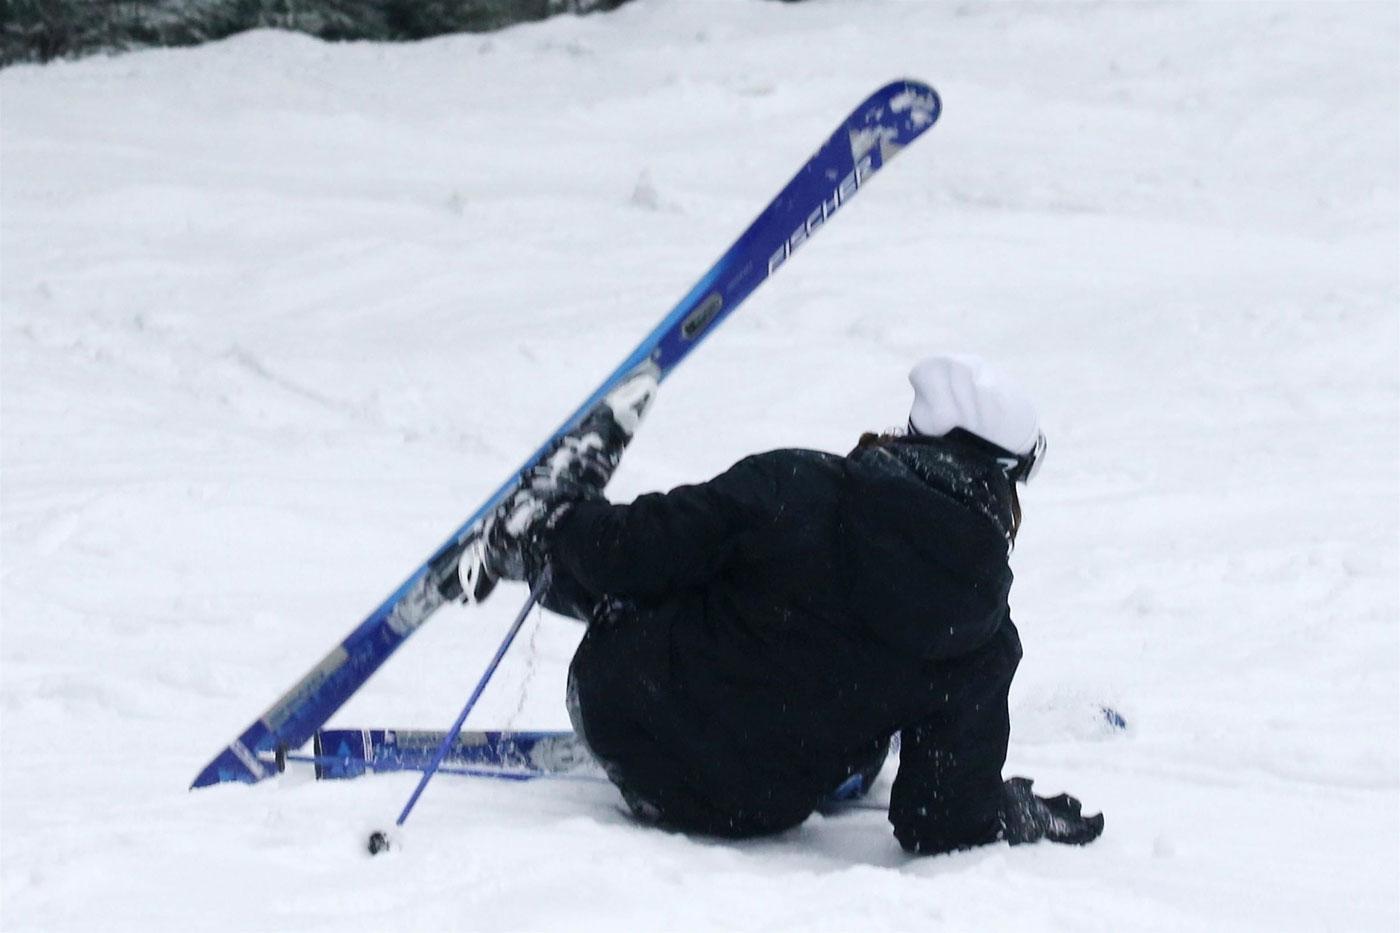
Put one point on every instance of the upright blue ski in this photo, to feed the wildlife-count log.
(887, 121)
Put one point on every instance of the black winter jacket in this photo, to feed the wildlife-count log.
(764, 633)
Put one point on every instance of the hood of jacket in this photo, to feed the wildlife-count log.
(927, 527)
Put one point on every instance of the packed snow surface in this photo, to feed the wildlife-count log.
(278, 314)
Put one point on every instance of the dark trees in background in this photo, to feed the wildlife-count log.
(40, 30)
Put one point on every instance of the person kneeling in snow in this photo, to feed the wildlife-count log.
(755, 641)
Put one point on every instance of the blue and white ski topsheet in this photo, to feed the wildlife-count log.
(340, 754)
(887, 121)
(349, 753)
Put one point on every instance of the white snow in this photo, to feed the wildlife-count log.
(277, 314)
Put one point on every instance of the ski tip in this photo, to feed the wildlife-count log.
(912, 84)
(893, 117)
(917, 98)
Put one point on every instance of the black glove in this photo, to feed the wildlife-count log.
(1028, 818)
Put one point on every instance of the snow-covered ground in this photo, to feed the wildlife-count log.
(277, 314)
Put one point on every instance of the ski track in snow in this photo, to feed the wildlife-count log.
(278, 313)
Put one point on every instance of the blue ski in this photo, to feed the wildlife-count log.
(348, 753)
(884, 123)
(340, 754)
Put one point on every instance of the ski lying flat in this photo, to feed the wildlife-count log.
(349, 753)
(884, 123)
(340, 754)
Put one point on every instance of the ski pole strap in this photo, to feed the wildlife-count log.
(535, 593)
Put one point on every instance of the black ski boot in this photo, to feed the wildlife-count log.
(576, 467)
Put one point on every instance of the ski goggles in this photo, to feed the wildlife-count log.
(1019, 468)
(1023, 468)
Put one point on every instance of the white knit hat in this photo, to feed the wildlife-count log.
(955, 391)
